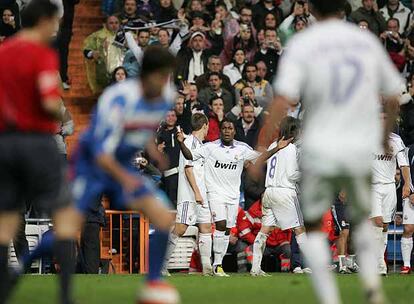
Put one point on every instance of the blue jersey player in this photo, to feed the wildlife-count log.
(126, 116)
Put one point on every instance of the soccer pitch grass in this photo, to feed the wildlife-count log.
(239, 289)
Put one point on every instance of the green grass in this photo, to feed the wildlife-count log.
(239, 289)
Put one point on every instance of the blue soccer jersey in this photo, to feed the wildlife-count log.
(123, 123)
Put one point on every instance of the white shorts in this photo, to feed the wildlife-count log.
(281, 208)
(408, 212)
(191, 213)
(384, 201)
(225, 211)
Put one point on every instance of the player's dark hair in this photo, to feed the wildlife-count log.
(289, 127)
(226, 120)
(157, 59)
(327, 8)
(37, 10)
(198, 120)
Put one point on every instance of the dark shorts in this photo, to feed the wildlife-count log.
(340, 216)
(31, 170)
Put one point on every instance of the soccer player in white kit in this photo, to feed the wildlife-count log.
(192, 204)
(224, 159)
(280, 202)
(408, 221)
(339, 73)
(384, 191)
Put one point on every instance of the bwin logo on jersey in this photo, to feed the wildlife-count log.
(230, 166)
(386, 157)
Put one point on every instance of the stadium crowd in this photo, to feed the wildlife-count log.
(227, 53)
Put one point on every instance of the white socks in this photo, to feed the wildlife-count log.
(379, 239)
(367, 250)
(259, 246)
(219, 246)
(301, 239)
(172, 243)
(406, 249)
(204, 246)
(317, 256)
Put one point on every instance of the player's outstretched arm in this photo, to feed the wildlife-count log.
(191, 179)
(256, 170)
(186, 152)
(405, 172)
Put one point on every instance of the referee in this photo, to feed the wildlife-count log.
(30, 165)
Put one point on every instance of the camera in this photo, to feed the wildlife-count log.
(246, 100)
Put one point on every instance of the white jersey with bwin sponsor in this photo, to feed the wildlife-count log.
(223, 168)
(185, 192)
(338, 72)
(283, 168)
(384, 165)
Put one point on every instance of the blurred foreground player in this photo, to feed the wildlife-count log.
(126, 117)
(30, 164)
(339, 72)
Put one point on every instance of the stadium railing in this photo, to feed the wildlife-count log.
(127, 226)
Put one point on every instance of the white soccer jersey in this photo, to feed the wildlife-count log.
(185, 192)
(384, 165)
(224, 167)
(339, 72)
(283, 168)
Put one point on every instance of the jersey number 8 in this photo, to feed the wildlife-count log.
(272, 169)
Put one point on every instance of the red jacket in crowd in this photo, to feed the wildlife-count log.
(249, 224)
(213, 128)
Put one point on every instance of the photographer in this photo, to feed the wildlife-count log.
(262, 89)
(296, 21)
(394, 43)
(167, 144)
(269, 52)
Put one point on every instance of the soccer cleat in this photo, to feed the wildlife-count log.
(297, 270)
(259, 273)
(405, 270)
(354, 268)
(66, 85)
(307, 270)
(165, 273)
(208, 271)
(219, 272)
(158, 292)
(382, 269)
(344, 270)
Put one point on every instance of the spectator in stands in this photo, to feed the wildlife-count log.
(232, 27)
(95, 50)
(243, 40)
(183, 114)
(164, 11)
(409, 56)
(394, 43)
(261, 9)
(167, 143)
(234, 70)
(195, 6)
(12, 5)
(269, 52)
(64, 37)
(129, 15)
(369, 12)
(216, 89)
(270, 21)
(407, 115)
(198, 22)
(66, 129)
(119, 74)
(192, 59)
(262, 90)
(246, 97)
(248, 126)
(130, 62)
(261, 70)
(295, 22)
(215, 117)
(8, 26)
(214, 64)
(395, 9)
